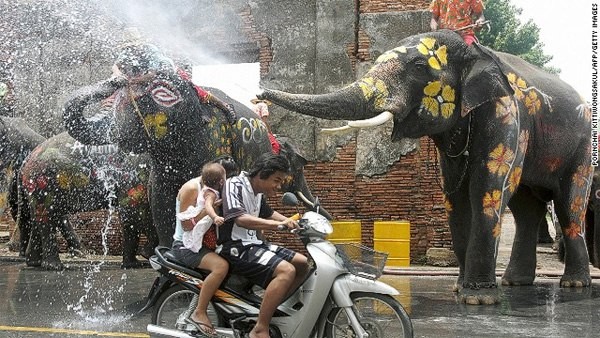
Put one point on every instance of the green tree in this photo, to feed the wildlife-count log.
(508, 34)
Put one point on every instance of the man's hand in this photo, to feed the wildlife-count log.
(289, 223)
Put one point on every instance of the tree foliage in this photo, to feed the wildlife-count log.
(508, 34)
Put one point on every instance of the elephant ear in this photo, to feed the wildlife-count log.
(484, 81)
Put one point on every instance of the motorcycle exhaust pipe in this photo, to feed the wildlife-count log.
(162, 332)
(156, 331)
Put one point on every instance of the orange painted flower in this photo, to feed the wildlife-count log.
(491, 203)
(577, 204)
(582, 175)
(573, 230)
(523, 140)
(514, 178)
(500, 159)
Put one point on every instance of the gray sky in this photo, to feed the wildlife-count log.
(565, 30)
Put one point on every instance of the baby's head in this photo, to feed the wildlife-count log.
(213, 175)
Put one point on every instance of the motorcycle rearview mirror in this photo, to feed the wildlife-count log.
(289, 199)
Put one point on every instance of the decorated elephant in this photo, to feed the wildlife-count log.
(507, 133)
(17, 140)
(62, 177)
(160, 111)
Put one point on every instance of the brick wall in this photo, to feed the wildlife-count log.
(382, 6)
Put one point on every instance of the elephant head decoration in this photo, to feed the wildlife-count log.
(507, 133)
(162, 114)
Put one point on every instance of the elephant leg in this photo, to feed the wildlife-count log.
(73, 242)
(570, 206)
(131, 236)
(459, 219)
(543, 236)
(529, 213)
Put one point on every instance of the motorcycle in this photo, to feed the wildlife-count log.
(341, 297)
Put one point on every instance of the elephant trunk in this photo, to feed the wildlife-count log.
(94, 130)
(348, 103)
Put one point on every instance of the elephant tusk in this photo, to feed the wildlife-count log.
(304, 199)
(372, 122)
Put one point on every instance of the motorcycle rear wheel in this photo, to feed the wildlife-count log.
(381, 316)
(172, 304)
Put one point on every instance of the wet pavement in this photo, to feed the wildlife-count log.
(91, 299)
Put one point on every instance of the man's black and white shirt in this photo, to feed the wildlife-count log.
(239, 199)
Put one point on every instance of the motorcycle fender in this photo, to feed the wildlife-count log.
(160, 284)
(344, 285)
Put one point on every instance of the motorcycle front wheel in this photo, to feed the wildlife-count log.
(174, 305)
(381, 316)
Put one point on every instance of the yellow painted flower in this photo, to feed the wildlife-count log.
(373, 88)
(506, 110)
(532, 102)
(157, 122)
(500, 159)
(447, 205)
(80, 180)
(438, 57)
(63, 179)
(389, 55)
(515, 178)
(518, 85)
(497, 231)
(491, 203)
(439, 99)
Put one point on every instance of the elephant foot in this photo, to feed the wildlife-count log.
(576, 280)
(53, 264)
(77, 253)
(482, 294)
(515, 279)
(131, 264)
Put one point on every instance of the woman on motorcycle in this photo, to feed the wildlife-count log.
(192, 214)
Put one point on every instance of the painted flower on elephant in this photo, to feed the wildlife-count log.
(447, 205)
(500, 160)
(157, 122)
(532, 102)
(374, 89)
(439, 99)
(514, 178)
(3, 199)
(523, 140)
(136, 195)
(438, 57)
(497, 231)
(577, 204)
(573, 230)
(582, 176)
(518, 85)
(506, 110)
(491, 203)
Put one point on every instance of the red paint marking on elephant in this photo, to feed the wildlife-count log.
(164, 94)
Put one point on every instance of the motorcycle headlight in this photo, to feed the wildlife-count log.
(317, 222)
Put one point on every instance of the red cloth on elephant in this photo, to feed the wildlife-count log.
(276, 147)
(202, 94)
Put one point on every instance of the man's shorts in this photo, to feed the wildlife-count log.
(257, 262)
(188, 257)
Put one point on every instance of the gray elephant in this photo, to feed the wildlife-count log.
(17, 141)
(508, 134)
(159, 111)
(62, 177)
